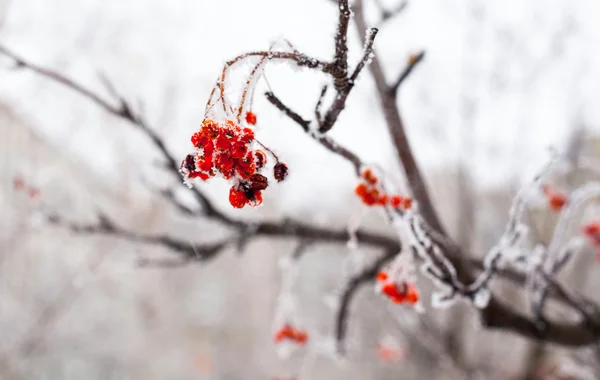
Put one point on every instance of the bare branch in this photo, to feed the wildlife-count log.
(188, 251)
(387, 14)
(323, 140)
(396, 128)
(499, 316)
(170, 196)
(355, 283)
(413, 61)
(585, 308)
(125, 112)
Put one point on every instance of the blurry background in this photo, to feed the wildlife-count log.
(501, 83)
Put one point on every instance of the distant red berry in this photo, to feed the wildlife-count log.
(288, 332)
(370, 177)
(382, 276)
(19, 183)
(34, 193)
(557, 201)
(591, 229)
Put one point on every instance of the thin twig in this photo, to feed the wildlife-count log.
(413, 61)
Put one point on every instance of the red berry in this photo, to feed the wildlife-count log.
(250, 118)
(301, 337)
(591, 229)
(237, 197)
(261, 158)
(196, 139)
(370, 177)
(361, 190)
(412, 295)
(396, 201)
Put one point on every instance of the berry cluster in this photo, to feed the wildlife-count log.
(398, 293)
(370, 194)
(556, 200)
(225, 149)
(288, 332)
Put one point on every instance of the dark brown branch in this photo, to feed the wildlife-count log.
(500, 316)
(188, 251)
(355, 283)
(413, 61)
(340, 61)
(317, 106)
